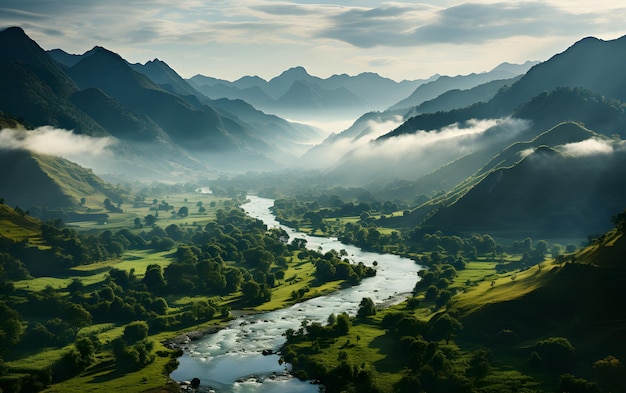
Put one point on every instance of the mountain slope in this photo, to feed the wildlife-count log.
(579, 300)
(431, 90)
(193, 128)
(544, 194)
(32, 180)
(590, 63)
(36, 89)
(454, 99)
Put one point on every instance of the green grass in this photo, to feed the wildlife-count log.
(125, 220)
(132, 259)
(102, 377)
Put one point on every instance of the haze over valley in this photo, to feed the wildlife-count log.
(379, 228)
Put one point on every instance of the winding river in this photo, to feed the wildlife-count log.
(231, 359)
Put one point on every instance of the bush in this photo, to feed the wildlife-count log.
(556, 353)
(135, 331)
(135, 357)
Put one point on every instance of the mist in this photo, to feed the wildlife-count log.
(56, 142)
(360, 133)
(592, 146)
(414, 155)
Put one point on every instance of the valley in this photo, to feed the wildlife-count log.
(459, 233)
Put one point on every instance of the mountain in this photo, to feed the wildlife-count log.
(201, 129)
(455, 179)
(35, 87)
(32, 180)
(545, 193)
(590, 63)
(162, 74)
(287, 137)
(430, 90)
(297, 93)
(307, 97)
(456, 98)
(224, 129)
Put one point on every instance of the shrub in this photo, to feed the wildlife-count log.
(556, 353)
(135, 331)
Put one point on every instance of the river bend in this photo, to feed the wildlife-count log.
(231, 360)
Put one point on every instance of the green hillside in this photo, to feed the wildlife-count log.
(578, 297)
(31, 180)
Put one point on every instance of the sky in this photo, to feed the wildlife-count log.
(398, 40)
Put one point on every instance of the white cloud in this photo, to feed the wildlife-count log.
(411, 156)
(230, 39)
(590, 147)
(57, 142)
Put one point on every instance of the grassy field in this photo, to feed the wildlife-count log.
(140, 210)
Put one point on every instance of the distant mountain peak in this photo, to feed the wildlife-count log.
(155, 61)
(14, 30)
(293, 73)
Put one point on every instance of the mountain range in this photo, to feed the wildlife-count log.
(453, 142)
(99, 94)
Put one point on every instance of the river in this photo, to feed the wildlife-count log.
(231, 360)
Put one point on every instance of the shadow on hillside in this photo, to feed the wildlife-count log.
(392, 362)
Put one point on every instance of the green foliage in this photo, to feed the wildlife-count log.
(342, 324)
(556, 353)
(135, 331)
(569, 383)
(366, 308)
(11, 328)
(133, 357)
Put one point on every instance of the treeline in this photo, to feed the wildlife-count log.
(333, 217)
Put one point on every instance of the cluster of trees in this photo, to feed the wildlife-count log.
(427, 367)
(437, 278)
(321, 213)
(67, 248)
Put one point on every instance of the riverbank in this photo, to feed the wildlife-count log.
(226, 358)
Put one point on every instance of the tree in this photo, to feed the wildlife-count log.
(11, 328)
(135, 331)
(342, 324)
(479, 365)
(77, 317)
(86, 348)
(251, 290)
(150, 220)
(556, 353)
(445, 327)
(183, 211)
(159, 306)
(366, 308)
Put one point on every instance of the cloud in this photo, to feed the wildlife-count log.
(468, 23)
(592, 147)
(411, 156)
(225, 39)
(454, 140)
(53, 141)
